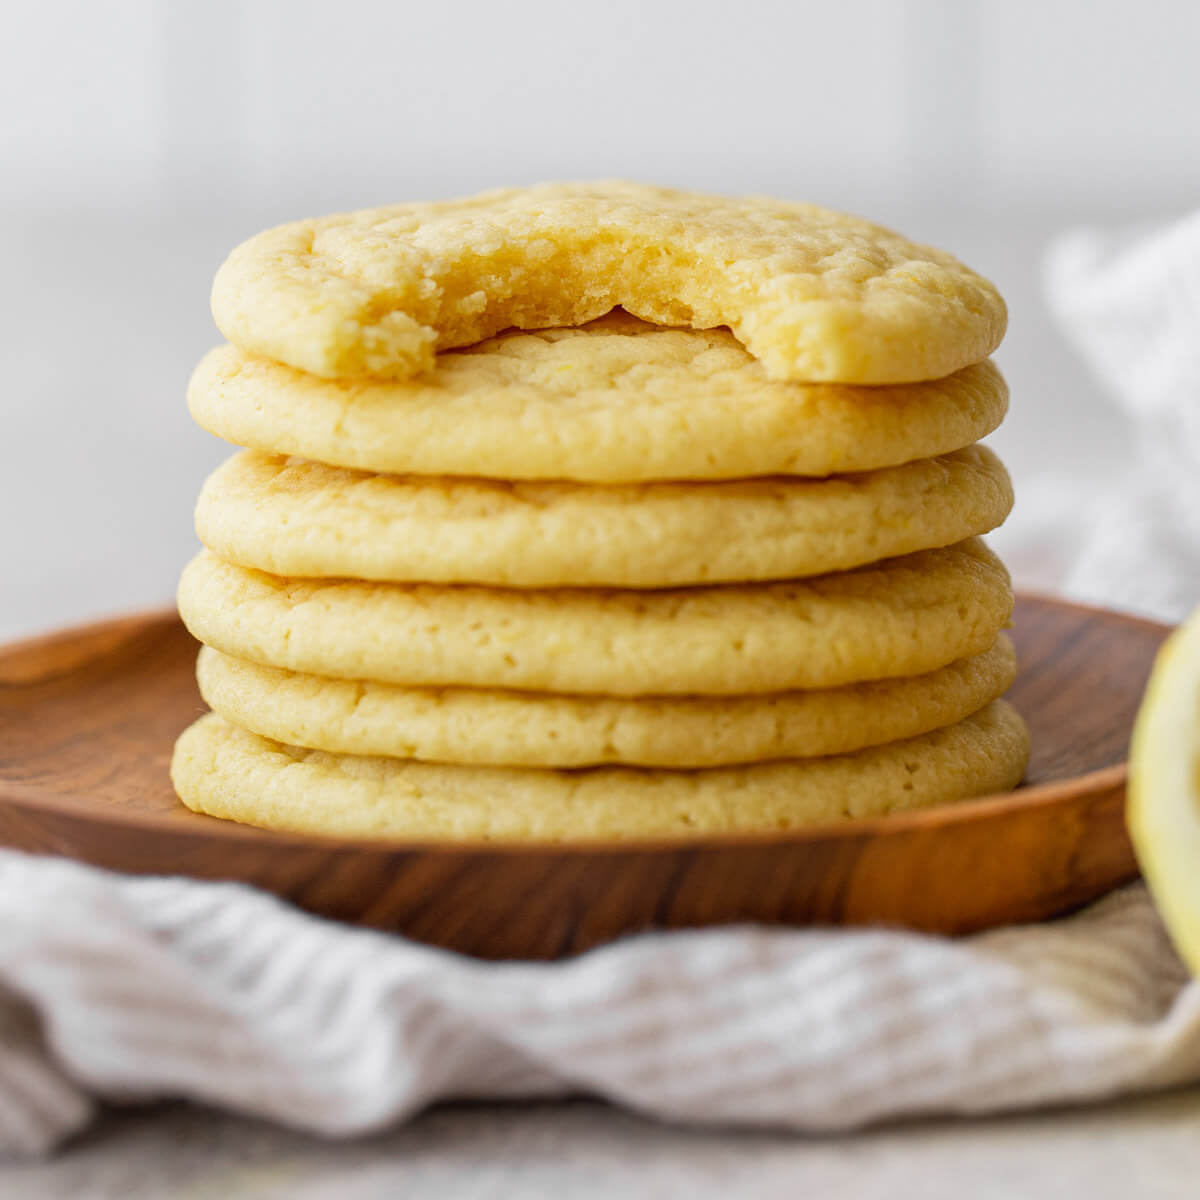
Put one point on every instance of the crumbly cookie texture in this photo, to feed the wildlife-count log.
(813, 294)
(906, 616)
(619, 401)
(228, 772)
(294, 517)
(494, 728)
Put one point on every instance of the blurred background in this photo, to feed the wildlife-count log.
(141, 140)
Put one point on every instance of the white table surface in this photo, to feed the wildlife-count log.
(1143, 1149)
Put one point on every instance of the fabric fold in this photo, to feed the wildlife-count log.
(152, 988)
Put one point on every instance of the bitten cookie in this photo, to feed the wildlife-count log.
(812, 294)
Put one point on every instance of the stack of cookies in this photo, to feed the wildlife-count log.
(597, 511)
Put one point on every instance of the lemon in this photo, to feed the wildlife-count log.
(1164, 788)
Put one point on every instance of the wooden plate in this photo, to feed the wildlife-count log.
(88, 717)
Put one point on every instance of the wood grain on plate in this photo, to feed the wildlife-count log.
(88, 718)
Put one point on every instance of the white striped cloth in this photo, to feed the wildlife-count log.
(1131, 304)
(161, 987)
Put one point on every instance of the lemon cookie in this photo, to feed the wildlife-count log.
(617, 402)
(813, 294)
(229, 772)
(906, 616)
(294, 517)
(467, 725)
